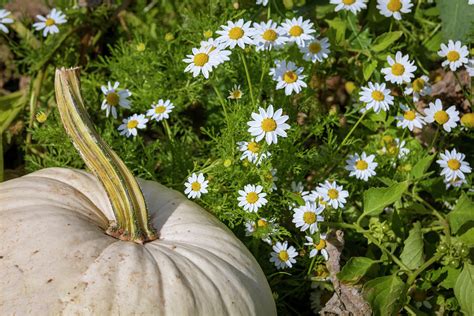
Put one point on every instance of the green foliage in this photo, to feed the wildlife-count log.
(355, 269)
(464, 288)
(412, 253)
(385, 294)
(457, 18)
(375, 199)
(462, 214)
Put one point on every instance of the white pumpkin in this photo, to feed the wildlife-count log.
(56, 258)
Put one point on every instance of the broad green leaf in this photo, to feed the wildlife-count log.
(375, 199)
(452, 275)
(456, 19)
(355, 269)
(412, 254)
(464, 289)
(463, 213)
(297, 198)
(383, 41)
(339, 26)
(368, 69)
(419, 169)
(468, 237)
(434, 42)
(385, 295)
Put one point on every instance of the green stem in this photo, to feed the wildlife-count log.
(122, 188)
(168, 130)
(249, 82)
(444, 222)
(36, 90)
(423, 267)
(353, 129)
(464, 91)
(391, 255)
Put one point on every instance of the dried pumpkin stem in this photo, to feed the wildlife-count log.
(122, 188)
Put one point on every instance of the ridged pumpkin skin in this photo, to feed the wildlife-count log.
(56, 259)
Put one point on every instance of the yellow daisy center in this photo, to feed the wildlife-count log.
(132, 124)
(333, 194)
(290, 77)
(269, 125)
(348, 2)
(235, 33)
(236, 94)
(195, 186)
(283, 255)
(309, 217)
(112, 98)
(321, 244)
(253, 147)
(295, 31)
(49, 22)
(270, 35)
(441, 117)
(394, 5)
(418, 85)
(262, 223)
(409, 115)
(468, 120)
(453, 55)
(314, 47)
(454, 164)
(160, 109)
(398, 69)
(200, 59)
(361, 165)
(252, 197)
(378, 95)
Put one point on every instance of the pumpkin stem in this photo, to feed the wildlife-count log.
(122, 188)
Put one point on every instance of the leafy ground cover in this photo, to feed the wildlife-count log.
(328, 135)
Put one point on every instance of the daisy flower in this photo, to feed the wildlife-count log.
(350, 5)
(455, 53)
(262, 2)
(470, 67)
(234, 34)
(394, 8)
(268, 226)
(114, 98)
(252, 198)
(455, 183)
(160, 110)
(315, 197)
(252, 151)
(317, 247)
(453, 164)
(266, 35)
(316, 50)
(410, 118)
(420, 88)
(289, 77)
(446, 118)
(376, 97)
(394, 147)
(4, 19)
(308, 216)
(235, 93)
(202, 60)
(361, 166)
(222, 54)
(298, 31)
(333, 194)
(130, 125)
(283, 256)
(401, 69)
(268, 124)
(195, 186)
(49, 24)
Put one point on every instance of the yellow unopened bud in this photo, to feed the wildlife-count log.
(236, 5)
(140, 47)
(169, 37)
(41, 117)
(468, 120)
(227, 163)
(350, 86)
(207, 34)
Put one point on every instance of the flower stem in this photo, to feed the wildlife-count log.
(125, 196)
(352, 129)
(168, 130)
(249, 82)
